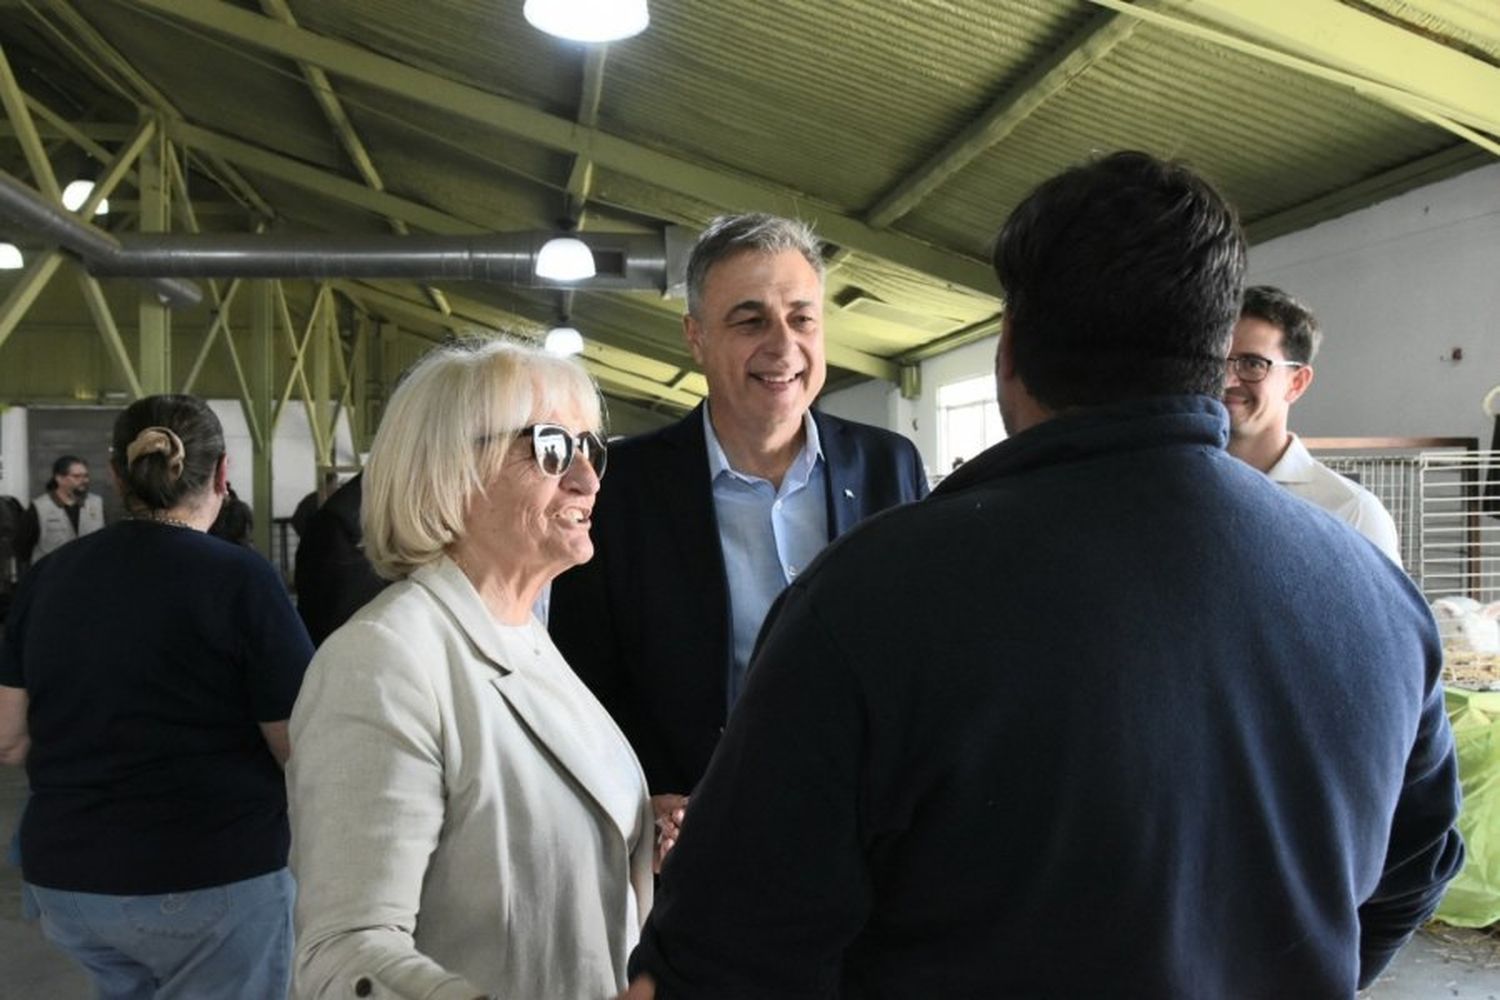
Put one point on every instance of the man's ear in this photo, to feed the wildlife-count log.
(1005, 359)
(1298, 383)
(692, 332)
(221, 475)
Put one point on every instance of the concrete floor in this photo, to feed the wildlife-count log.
(1441, 963)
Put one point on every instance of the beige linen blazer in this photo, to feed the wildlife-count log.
(456, 830)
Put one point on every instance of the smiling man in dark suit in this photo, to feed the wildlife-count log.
(699, 526)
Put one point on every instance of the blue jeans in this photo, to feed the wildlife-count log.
(228, 942)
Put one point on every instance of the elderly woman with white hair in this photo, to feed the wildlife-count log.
(467, 820)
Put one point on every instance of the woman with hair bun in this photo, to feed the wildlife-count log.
(146, 675)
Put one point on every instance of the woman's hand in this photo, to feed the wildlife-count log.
(669, 810)
(644, 987)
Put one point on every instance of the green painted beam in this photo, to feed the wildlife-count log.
(94, 131)
(599, 315)
(261, 370)
(80, 31)
(397, 307)
(338, 120)
(1344, 37)
(25, 291)
(1425, 170)
(1054, 74)
(154, 321)
(323, 182)
(19, 115)
(1396, 98)
(220, 324)
(987, 327)
(581, 177)
(714, 186)
(109, 331)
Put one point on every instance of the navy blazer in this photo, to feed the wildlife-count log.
(646, 623)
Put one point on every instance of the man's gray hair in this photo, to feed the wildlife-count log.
(755, 231)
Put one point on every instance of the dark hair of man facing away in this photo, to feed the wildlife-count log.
(1122, 673)
(1122, 289)
(1300, 335)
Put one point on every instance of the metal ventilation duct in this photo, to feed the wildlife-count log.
(56, 224)
(624, 261)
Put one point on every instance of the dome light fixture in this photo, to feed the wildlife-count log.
(10, 257)
(565, 258)
(589, 21)
(77, 192)
(564, 341)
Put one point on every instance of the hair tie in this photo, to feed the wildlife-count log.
(158, 440)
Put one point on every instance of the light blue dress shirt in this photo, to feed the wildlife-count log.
(768, 535)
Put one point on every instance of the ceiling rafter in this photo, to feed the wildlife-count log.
(1407, 72)
(146, 93)
(343, 129)
(1346, 38)
(16, 110)
(1424, 170)
(607, 339)
(318, 180)
(716, 186)
(1086, 47)
(390, 305)
(76, 132)
(581, 176)
(350, 192)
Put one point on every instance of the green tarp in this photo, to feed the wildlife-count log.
(1473, 898)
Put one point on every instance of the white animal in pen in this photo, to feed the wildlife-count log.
(1467, 625)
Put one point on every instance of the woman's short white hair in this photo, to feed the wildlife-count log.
(445, 433)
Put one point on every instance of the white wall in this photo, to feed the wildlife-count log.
(1396, 287)
(880, 403)
(293, 467)
(15, 477)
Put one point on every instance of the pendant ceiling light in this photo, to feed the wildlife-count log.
(588, 20)
(564, 341)
(77, 192)
(10, 257)
(565, 258)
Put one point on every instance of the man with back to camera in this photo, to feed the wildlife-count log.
(701, 524)
(64, 512)
(1106, 670)
(1270, 367)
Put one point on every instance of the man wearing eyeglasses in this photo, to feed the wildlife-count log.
(1270, 367)
(699, 526)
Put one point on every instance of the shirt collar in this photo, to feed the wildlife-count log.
(1295, 464)
(800, 469)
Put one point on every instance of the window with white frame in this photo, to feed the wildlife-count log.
(968, 420)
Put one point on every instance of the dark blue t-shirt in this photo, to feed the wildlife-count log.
(149, 654)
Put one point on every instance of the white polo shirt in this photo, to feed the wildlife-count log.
(1342, 497)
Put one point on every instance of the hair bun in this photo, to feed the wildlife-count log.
(158, 440)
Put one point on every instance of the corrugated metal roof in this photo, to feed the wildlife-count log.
(844, 111)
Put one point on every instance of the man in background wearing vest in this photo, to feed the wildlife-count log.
(65, 512)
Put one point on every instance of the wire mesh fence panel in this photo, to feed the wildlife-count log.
(1459, 540)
